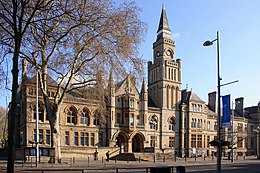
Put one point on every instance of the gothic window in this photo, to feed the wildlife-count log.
(171, 141)
(84, 118)
(172, 74)
(48, 137)
(40, 133)
(208, 125)
(71, 116)
(100, 139)
(154, 122)
(193, 141)
(96, 118)
(132, 120)
(152, 141)
(67, 138)
(40, 112)
(169, 73)
(194, 107)
(92, 139)
(172, 123)
(172, 96)
(200, 108)
(199, 141)
(76, 138)
(199, 123)
(138, 121)
(131, 102)
(167, 96)
(193, 123)
(118, 118)
(84, 139)
(239, 142)
(175, 74)
(215, 125)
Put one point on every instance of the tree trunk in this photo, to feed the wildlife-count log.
(56, 138)
(13, 113)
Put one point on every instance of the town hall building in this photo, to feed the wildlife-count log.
(161, 115)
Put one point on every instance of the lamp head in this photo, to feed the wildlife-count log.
(207, 43)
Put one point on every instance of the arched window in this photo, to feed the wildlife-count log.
(154, 122)
(84, 118)
(172, 123)
(71, 116)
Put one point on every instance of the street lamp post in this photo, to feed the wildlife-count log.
(209, 43)
(257, 142)
(37, 121)
(154, 125)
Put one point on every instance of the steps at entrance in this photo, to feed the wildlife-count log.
(142, 156)
(133, 156)
(124, 157)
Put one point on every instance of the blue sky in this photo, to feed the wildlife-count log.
(194, 21)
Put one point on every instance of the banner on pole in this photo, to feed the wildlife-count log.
(226, 111)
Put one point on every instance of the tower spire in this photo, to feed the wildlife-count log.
(163, 28)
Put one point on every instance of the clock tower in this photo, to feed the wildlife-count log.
(164, 85)
(164, 73)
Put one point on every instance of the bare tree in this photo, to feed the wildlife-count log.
(15, 17)
(78, 40)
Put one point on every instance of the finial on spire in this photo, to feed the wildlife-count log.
(163, 6)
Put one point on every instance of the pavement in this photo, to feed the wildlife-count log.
(67, 165)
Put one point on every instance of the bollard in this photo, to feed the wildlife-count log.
(73, 160)
(127, 159)
(115, 160)
(102, 159)
(237, 157)
(212, 157)
(139, 159)
(185, 158)
(244, 157)
(195, 158)
(70, 162)
(88, 161)
(204, 157)
(175, 158)
(163, 158)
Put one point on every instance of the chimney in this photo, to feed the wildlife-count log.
(212, 100)
(239, 106)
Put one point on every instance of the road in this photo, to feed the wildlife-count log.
(227, 168)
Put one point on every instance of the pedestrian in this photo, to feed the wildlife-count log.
(107, 155)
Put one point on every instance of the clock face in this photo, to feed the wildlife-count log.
(168, 53)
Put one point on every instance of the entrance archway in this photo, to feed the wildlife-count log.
(121, 141)
(137, 143)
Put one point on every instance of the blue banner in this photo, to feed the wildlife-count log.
(226, 111)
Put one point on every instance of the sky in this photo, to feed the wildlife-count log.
(192, 22)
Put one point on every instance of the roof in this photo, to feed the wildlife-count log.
(163, 24)
(50, 81)
(195, 97)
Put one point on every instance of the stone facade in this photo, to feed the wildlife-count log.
(161, 114)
